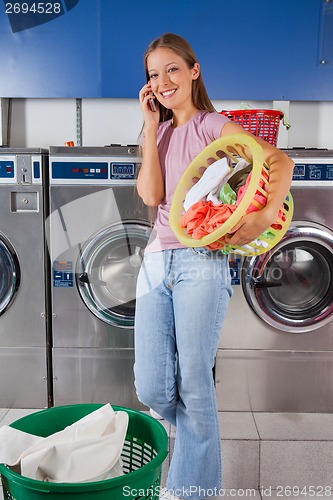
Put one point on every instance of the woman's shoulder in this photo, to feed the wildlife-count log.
(212, 122)
(210, 118)
(214, 116)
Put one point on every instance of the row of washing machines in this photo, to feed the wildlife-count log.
(72, 236)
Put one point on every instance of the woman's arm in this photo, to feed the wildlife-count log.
(150, 182)
(281, 169)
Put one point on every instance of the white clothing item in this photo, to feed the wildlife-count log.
(13, 443)
(259, 243)
(210, 180)
(88, 450)
(213, 196)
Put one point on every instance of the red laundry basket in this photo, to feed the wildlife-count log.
(263, 123)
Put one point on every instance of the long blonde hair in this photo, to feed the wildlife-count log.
(181, 47)
(200, 97)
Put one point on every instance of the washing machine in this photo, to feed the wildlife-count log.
(276, 346)
(98, 230)
(24, 329)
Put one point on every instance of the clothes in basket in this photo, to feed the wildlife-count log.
(206, 214)
(87, 450)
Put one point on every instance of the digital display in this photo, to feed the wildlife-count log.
(313, 172)
(6, 169)
(122, 170)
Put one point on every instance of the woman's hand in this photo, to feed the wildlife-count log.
(151, 118)
(250, 227)
(150, 181)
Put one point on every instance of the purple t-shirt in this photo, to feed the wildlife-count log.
(177, 147)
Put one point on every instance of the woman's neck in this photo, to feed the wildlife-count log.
(180, 117)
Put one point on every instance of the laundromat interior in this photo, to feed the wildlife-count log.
(73, 229)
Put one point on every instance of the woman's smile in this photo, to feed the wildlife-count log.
(167, 93)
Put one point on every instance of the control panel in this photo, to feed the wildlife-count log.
(91, 170)
(79, 170)
(313, 171)
(122, 170)
(21, 169)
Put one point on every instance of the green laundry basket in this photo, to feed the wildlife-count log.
(144, 451)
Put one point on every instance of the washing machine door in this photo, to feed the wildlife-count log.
(291, 287)
(9, 274)
(108, 268)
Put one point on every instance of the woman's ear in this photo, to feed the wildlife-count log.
(195, 71)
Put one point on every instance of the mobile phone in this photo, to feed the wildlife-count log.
(152, 103)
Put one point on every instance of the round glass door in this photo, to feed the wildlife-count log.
(107, 271)
(291, 287)
(9, 274)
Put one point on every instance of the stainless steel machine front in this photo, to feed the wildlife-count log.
(276, 347)
(98, 231)
(23, 291)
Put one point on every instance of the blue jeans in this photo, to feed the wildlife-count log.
(182, 297)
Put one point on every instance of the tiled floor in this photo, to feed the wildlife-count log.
(282, 456)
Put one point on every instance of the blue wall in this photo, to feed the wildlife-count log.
(248, 49)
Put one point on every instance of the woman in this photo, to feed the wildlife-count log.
(183, 293)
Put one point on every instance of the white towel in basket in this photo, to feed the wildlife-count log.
(211, 182)
(88, 450)
(211, 179)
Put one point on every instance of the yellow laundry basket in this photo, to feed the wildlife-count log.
(237, 147)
